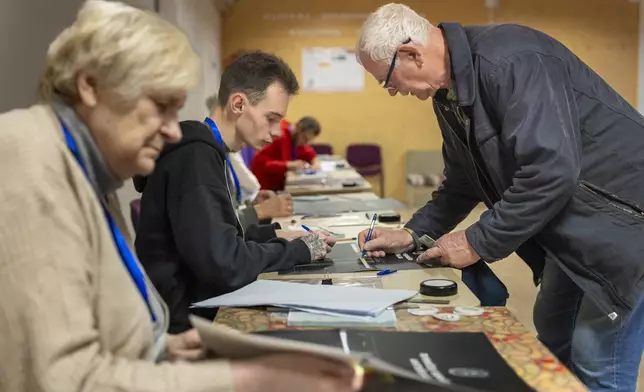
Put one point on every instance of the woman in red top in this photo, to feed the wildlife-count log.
(289, 152)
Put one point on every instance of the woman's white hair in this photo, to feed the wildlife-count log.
(387, 28)
(127, 53)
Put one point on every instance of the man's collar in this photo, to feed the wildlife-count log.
(461, 62)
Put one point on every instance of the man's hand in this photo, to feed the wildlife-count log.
(291, 235)
(277, 206)
(317, 246)
(328, 238)
(262, 196)
(453, 249)
(385, 241)
(185, 346)
(296, 165)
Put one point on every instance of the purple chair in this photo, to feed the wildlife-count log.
(322, 149)
(135, 212)
(367, 160)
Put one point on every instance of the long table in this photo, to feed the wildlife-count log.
(345, 180)
(518, 346)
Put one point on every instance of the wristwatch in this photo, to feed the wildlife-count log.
(421, 242)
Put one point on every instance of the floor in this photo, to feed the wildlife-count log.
(518, 278)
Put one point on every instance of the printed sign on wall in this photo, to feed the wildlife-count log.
(332, 69)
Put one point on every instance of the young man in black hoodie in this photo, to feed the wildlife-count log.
(189, 237)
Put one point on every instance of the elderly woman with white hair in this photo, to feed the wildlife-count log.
(77, 311)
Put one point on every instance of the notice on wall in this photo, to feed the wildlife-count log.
(331, 70)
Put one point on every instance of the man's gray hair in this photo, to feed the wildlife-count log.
(387, 28)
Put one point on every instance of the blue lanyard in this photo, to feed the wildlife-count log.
(117, 236)
(220, 140)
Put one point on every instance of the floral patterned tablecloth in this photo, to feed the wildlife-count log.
(518, 346)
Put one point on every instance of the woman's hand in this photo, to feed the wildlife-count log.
(294, 373)
(185, 346)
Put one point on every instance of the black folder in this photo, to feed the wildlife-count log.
(345, 258)
(454, 361)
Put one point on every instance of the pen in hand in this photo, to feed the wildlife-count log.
(373, 222)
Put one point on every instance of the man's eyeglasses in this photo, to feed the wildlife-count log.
(393, 65)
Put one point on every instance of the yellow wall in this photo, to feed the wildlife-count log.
(601, 32)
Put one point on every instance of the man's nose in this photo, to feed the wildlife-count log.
(275, 132)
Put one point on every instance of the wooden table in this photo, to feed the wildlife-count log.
(362, 195)
(319, 189)
(331, 185)
(519, 347)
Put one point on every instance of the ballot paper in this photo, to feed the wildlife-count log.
(325, 299)
(342, 206)
(298, 318)
(330, 166)
(335, 233)
(311, 198)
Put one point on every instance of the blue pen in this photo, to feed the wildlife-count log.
(386, 272)
(307, 229)
(373, 222)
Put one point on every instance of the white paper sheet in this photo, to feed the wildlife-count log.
(306, 319)
(331, 69)
(358, 301)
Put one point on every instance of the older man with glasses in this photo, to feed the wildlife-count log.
(554, 153)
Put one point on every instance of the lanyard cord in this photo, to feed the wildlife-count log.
(220, 140)
(119, 240)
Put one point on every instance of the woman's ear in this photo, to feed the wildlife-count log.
(86, 87)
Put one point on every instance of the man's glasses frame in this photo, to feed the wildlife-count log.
(393, 65)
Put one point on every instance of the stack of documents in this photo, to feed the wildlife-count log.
(322, 299)
(298, 318)
(342, 206)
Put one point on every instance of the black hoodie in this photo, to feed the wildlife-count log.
(189, 238)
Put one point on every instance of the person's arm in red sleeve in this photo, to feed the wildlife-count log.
(307, 154)
(269, 159)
